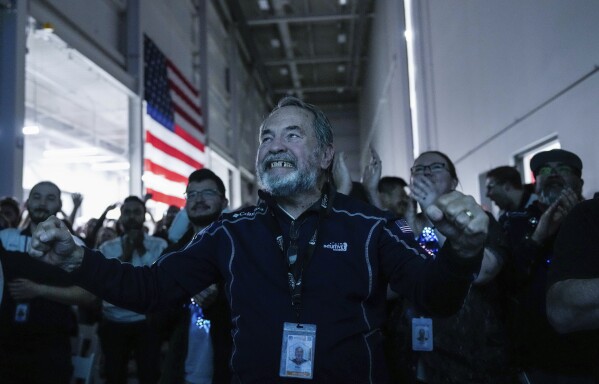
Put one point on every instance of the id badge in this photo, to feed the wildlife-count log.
(21, 313)
(422, 334)
(297, 350)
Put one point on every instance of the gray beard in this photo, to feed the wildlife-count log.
(302, 180)
(551, 193)
(297, 182)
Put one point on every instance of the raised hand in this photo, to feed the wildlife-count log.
(341, 174)
(552, 218)
(372, 172)
(423, 191)
(77, 199)
(53, 243)
(459, 218)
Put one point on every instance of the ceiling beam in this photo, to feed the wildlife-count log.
(303, 19)
(309, 60)
(323, 88)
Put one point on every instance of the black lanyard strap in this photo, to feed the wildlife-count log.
(296, 261)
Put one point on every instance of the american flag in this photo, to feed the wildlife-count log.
(174, 129)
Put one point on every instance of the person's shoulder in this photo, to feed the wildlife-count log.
(111, 245)
(344, 204)
(585, 209)
(243, 214)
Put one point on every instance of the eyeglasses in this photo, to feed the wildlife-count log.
(433, 168)
(560, 169)
(204, 194)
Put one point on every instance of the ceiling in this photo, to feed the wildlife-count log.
(313, 49)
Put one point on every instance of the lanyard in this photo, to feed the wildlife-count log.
(297, 261)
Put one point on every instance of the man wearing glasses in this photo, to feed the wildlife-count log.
(305, 266)
(543, 355)
(199, 336)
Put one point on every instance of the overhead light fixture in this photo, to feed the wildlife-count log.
(31, 130)
(79, 159)
(275, 43)
(111, 166)
(342, 2)
(284, 71)
(263, 5)
(341, 68)
(70, 152)
(340, 89)
(341, 38)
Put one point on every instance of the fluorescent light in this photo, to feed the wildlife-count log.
(116, 166)
(263, 5)
(78, 159)
(284, 71)
(31, 130)
(275, 43)
(341, 68)
(70, 152)
(342, 2)
(341, 38)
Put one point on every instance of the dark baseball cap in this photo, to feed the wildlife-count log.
(556, 155)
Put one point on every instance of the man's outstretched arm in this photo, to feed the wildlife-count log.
(141, 289)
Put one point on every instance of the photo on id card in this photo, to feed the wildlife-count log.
(297, 352)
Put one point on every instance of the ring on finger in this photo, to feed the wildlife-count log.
(469, 213)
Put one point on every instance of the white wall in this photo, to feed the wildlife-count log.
(490, 63)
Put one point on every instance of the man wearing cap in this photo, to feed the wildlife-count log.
(543, 355)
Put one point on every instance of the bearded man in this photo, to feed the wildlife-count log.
(36, 316)
(305, 266)
(540, 352)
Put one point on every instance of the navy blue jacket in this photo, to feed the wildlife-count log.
(358, 252)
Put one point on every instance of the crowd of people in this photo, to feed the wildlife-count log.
(325, 278)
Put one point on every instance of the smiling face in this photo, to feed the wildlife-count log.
(204, 202)
(44, 201)
(290, 159)
(552, 178)
(440, 177)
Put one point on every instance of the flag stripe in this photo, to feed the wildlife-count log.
(181, 112)
(177, 140)
(167, 199)
(169, 150)
(166, 161)
(174, 128)
(179, 102)
(189, 138)
(181, 122)
(157, 169)
(190, 86)
(191, 103)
